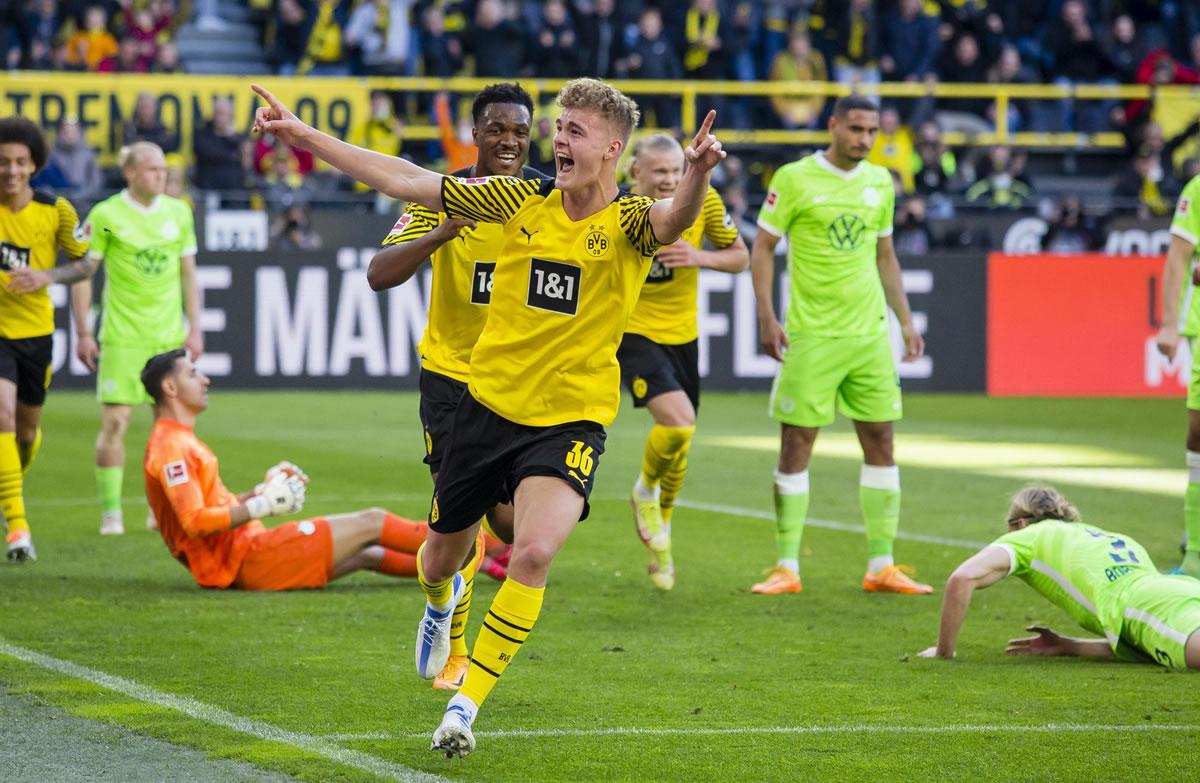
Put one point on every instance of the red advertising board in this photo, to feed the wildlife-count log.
(1079, 325)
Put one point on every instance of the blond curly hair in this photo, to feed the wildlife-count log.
(1039, 503)
(610, 103)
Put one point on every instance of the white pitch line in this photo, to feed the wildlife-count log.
(207, 713)
(742, 730)
(751, 513)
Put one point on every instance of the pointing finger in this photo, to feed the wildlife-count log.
(706, 126)
(271, 100)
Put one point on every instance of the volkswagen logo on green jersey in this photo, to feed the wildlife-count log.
(846, 232)
(152, 262)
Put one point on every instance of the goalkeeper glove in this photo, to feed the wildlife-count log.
(283, 494)
(284, 468)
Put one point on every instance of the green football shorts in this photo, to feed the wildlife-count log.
(119, 374)
(856, 373)
(1159, 614)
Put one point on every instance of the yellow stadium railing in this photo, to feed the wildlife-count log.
(340, 105)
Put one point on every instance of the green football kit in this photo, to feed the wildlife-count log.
(837, 324)
(142, 305)
(1109, 585)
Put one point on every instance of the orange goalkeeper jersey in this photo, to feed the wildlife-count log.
(192, 505)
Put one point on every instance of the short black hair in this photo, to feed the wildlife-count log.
(18, 130)
(157, 369)
(502, 92)
(849, 103)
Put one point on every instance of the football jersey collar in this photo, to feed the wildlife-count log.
(824, 163)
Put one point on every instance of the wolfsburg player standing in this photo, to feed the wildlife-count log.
(1181, 257)
(148, 241)
(836, 211)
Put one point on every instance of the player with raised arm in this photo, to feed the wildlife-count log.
(216, 535)
(835, 208)
(1181, 315)
(544, 379)
(659, 355)
(147, 243)
(34, 227)
(1105, 581)
(463, 255)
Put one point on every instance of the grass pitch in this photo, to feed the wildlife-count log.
(619, 681)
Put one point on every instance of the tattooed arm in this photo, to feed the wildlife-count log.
(26, 281)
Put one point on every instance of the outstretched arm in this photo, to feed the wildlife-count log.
(389, 175)
(985, 568)
(671, 217)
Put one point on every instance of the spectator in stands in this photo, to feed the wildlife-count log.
(1125, 48)
(94, 44)
(909, 43)
(1009, 69)
(377, 37)
(913, 236)
(602, 36)
(264, 150)
(145, 125)
(458, 141)
(967, 66)
(44, 24)
(76, 160)
(798, 63)
(1002, 185)
(857, 56)
(218, 150)
(935, 166)
(541, 145)
(1155, 141)
(291, 34)
(1147, 185)
(168, 59)
(292, 230)
(497, 41)
(556, 46)
(176, 182)
(441, 52)
(283, 186)
(1078, 58)
(652, 57)
(128, 59)
(704, 51)
(145, 30)
(894, 148)
(1181, 20)
(1070, 229)
(324, 51)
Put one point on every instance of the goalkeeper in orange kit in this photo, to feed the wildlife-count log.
(217, 535)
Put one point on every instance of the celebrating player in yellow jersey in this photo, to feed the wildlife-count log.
(544, 379)
(458, 299)
(658, 355)
(33, 228)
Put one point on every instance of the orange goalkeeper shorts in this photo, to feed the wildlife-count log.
(294, 556)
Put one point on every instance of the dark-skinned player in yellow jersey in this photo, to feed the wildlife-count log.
(462, 254)
(544, 379)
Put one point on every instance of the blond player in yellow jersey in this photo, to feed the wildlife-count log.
(658, 355)
(34, 227)
(544, 379)
(463, 254)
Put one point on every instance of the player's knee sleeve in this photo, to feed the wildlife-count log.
(791, 483)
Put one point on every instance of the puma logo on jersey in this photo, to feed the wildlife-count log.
(582, 481)
(529, 234)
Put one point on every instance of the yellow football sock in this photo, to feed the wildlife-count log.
(458, 621)
(514, 611)
(662, 449)
(28, 452)
(12, 501)
(670, 486)
(437, 593)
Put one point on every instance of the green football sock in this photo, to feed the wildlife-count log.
(108, 486)
(879, 498)
(791, 509)
(1191, 523)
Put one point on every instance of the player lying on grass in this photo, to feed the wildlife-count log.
(544, 380)
(1104, 580)
(217, 535)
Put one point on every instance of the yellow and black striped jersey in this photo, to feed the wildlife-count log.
(666, 310)
(561, 296)
(460, 291)
(32, 238)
